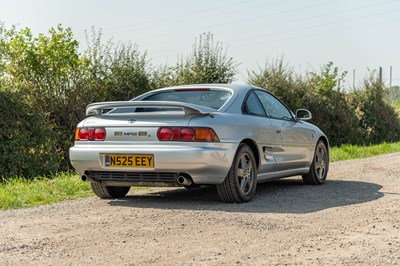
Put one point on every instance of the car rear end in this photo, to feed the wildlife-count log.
(151, 144)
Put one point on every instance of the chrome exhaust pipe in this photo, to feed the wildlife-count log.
(184, 181)
(86, 178)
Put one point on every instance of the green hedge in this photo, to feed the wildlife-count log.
(26, 140)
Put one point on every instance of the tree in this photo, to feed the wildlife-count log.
(207, 63)
(377, 118)
(278, 78)
(46, 72)
(118, 71)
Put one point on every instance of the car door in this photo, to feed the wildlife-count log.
(292, 138)
(263, 131)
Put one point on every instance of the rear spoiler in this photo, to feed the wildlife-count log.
(190, 109)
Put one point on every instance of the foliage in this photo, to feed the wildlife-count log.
(58, 82)
(278, 78)
(396, 106)
(46, 83)
(393, 94)
(26, 141)
(207, 63)
(377, 118)
(117, 71)
(46, 71)
(333, 113)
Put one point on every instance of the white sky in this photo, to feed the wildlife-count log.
(354, 34)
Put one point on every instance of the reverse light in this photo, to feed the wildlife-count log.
(89, 134)
(191, 134)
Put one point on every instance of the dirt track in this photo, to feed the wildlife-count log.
(353, 219)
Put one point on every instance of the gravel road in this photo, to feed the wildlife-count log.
(353, 219)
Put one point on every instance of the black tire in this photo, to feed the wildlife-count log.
(106, 192)
(241, 182)
(319, 167)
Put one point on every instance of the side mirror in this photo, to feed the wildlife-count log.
(303, 115)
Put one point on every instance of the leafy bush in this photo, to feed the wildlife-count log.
(116, 71)
(58, 82)
(208, 63)
(278, 78)
(46, 71)
(333, 113)
(377, 118)
(27, 142)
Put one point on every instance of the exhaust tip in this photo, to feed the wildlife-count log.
(184, 181)
(84, 178)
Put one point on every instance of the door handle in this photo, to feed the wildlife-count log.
(278, 131)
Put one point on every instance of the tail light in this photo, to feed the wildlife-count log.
(193, 134)
(96, 134)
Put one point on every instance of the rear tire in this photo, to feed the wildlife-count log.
(241, 182)
(107, 192)
(319, 167)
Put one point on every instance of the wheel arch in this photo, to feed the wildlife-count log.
(326, 142)
(254, 148)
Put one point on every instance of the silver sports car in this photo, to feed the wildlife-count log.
(230, 136)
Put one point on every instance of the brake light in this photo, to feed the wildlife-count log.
(193, 134)
(165, 133)
(83, 134)
(187, 133)
(192, 89)
(96, 134)
(99, 134)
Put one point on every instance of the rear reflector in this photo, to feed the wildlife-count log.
(96, 134)
(193, 134)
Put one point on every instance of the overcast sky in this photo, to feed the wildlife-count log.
(354, 34)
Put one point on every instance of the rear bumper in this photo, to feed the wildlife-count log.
(206, 163)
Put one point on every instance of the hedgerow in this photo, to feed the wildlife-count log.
(46, 83)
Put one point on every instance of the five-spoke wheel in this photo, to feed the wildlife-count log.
(319, 167)
(241, 181)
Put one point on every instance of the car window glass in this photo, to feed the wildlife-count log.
(253, 105)
(273, 107)
(204, 97)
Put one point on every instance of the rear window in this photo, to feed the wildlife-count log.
(209, 98)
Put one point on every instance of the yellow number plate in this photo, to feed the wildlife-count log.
(133, 160)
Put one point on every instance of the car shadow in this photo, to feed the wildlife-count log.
(282, 196)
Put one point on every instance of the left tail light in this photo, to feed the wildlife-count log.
(89, 134)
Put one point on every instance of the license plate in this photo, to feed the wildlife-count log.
(131, 160)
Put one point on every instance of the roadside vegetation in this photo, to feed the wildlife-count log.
(20, 192)
(46, 82)
(348, 151)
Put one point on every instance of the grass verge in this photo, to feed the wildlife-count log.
(20, 193)
(347, 152)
